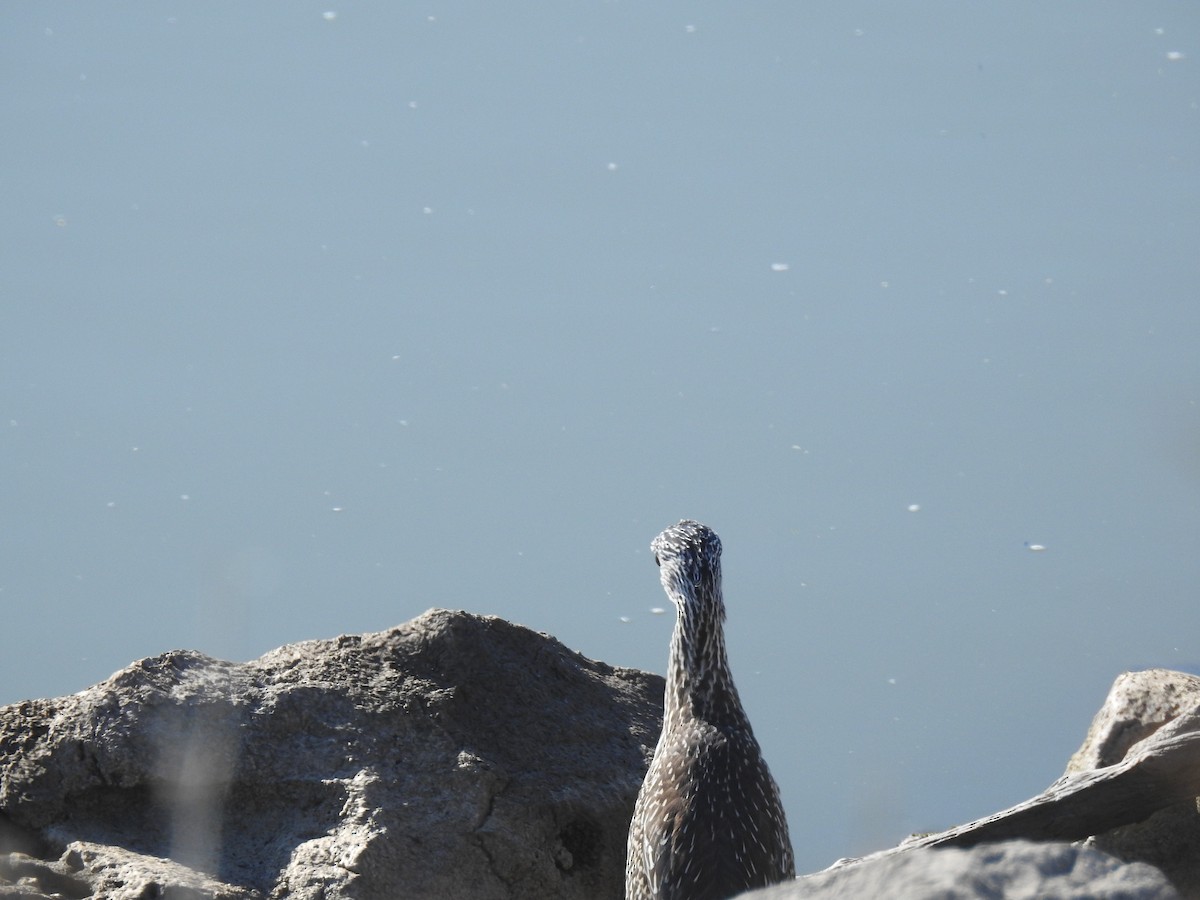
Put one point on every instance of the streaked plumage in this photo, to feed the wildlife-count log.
(708, 823)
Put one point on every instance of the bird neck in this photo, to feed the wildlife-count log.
(699, 684)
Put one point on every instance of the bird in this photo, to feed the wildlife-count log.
(708, 823)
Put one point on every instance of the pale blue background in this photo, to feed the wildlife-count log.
(317, 316)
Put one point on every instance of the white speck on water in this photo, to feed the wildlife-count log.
(1035, 548)
(329, 15)
(780, 267)
(336, 508)
(1002, 292)
(612, 167)
(885, 284)
(625, 620)
(690, 29)
(60, 220)
(657, 610)
(185, 496)
(428, 210)
(891, 679)
(1175, 55)
(914, 507)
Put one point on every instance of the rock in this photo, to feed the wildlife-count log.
(1158, 771)
(463, 756)
(1130, 790)
(1016, 870)
(1137, 706)
(25, 876)
(454, 756)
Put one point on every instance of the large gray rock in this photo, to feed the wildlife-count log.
(1130, 791)
(454, 756)
(1016, 870)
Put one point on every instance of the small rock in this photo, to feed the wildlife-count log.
(1137, 705)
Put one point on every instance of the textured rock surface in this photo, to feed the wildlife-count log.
(1017, 870)
(454, 756)
(1137, 706)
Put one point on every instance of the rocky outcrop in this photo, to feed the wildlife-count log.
(1138, 706)
(1015, 870)
(1130, 790)
(454, 756)
(461, 756)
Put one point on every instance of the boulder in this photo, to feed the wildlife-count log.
(1137, 706)
(454, 756)
(1137, 768)
(1130, 790)
(1014, 870)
